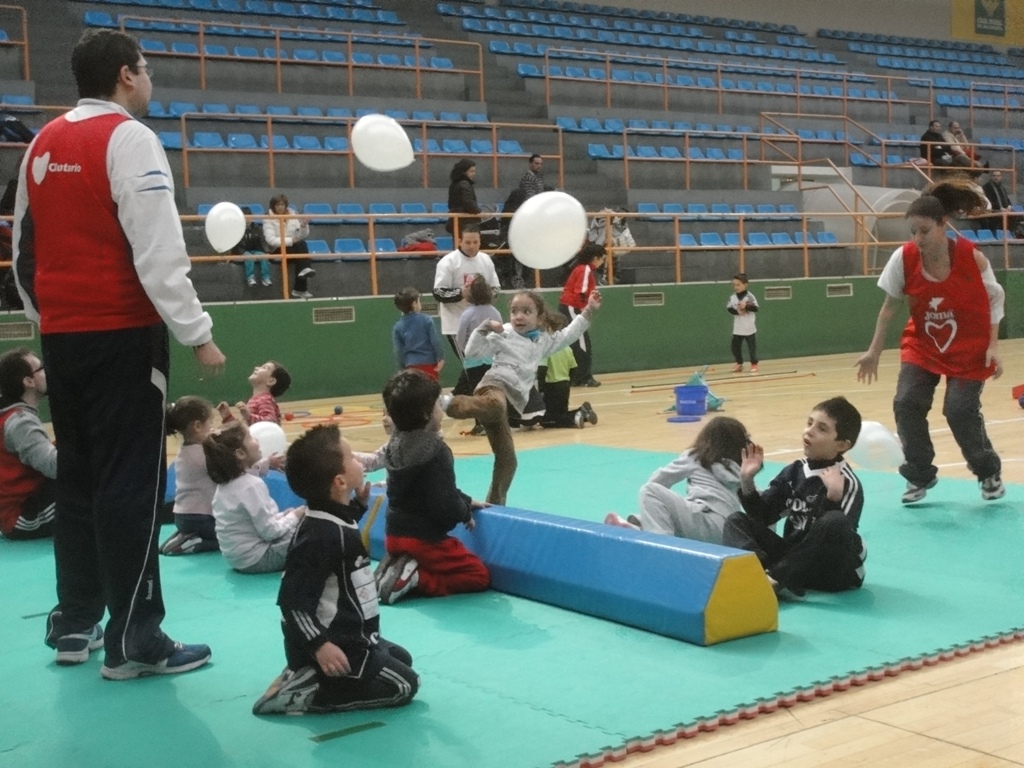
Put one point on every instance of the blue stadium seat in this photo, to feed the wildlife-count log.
(208, 140)
(318, 247)
(781, 238)
(711, 240)
(350, 246)
(318, 209)
(242, 141)
(336, 143)
(306, 142)
(758, 239)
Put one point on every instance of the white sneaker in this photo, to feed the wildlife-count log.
(302, 295)
(307, 272)
(992, 488)
(266, 282)
(251, 281)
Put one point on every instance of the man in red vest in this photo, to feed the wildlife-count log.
(100, 262)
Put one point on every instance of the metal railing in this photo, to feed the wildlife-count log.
(16, 11)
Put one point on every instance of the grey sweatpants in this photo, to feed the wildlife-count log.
(662, 510)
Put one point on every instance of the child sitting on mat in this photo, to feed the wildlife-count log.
(253, 534)
(192, 418)
(517, 349)
(337, 660)
(424, 503)
(821, 499)
(711, 468)
(269, 381)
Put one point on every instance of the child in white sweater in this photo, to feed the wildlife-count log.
(253, 535)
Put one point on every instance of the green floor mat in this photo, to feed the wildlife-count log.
(504, 682)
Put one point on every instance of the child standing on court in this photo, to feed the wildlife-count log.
(581, 283)
(743, 307)
(192, 418)
(553, 381)
(253, 534)
(711, 468)
(424, 503)
(416, 341)
(517, 349)
(821, 499)
(330, 616)
(268, 381)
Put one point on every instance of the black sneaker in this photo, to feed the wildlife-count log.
(74, 648)
(589, 413)
(291, 693)
(183, 658)
(592, 382)
(478, 430)
(399, 580)
(917, 492)
(992, 488)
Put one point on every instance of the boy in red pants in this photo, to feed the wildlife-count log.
(424, 503)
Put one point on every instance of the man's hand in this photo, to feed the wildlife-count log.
(211, 360)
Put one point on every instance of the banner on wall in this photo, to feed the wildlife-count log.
(990, 18)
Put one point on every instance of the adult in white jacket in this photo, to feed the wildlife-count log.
(292, 232)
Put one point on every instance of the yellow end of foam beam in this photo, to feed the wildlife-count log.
(741, 603)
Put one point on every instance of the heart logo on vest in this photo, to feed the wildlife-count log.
(39, 166)
(941, 333)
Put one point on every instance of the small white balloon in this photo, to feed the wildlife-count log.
(547, 230)
(270, 437)
(381, 144)
(876, 448)
(225, 225)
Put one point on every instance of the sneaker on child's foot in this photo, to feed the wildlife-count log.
(291, 693)
(613, 518)
(382, 568)
(182, 658)
(399, 580)
(753, 367)
(917, 492)
(302, 295)
(478, 430)
(738, 368)
(308, 272)
(181, 544)
(589, 413)
(251, 281)
(74, 648)
(634, 520)
(992, 488)
(579, 419)
(266, 282)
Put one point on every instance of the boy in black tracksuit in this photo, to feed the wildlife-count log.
(337, 660)
(821, 499)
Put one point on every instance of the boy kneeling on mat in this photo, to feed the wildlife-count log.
(424, 503)
(337, 660)
(820, 498)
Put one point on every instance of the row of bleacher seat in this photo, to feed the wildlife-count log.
(305, 11)
(755, 239)
(569, 6)
(94, 18)
(171, 140)
(17, 100)
(869, 37)
(643, 77)
(176, 109)
(491, 13)
(941, 54)
(356, 213)
(913, 139)
(949, 68)
(668, 152)
(309, 55)
(229, 6)
(616, 125)
(355, 249)
(702, 212)
(962, 102)
(684, 45)
(985, 236)
(956, 84)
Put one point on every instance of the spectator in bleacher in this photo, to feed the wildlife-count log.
(293, 233)
(462, 195)
(1000, 200)
(252, 244)
(937, 151)
(959, 144)
(510, 269)
(532, 182)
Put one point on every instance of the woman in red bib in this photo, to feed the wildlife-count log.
(955, 307)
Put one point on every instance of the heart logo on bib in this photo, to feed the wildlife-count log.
(39, 166)
(941, 333)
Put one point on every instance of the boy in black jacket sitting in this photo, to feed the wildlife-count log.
(423, 502)
(820, 498)
(337, 660)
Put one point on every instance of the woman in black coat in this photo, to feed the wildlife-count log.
(461, 194)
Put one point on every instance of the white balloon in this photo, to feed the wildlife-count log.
(547, 230)
(225, 225)
(380, 143)
(270, 437)
(876, 448)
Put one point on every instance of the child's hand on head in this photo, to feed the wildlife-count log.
(832, 477)
(753, 460)
(332, 660)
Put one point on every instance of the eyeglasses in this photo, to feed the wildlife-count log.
(143, 68)
(37, 370)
